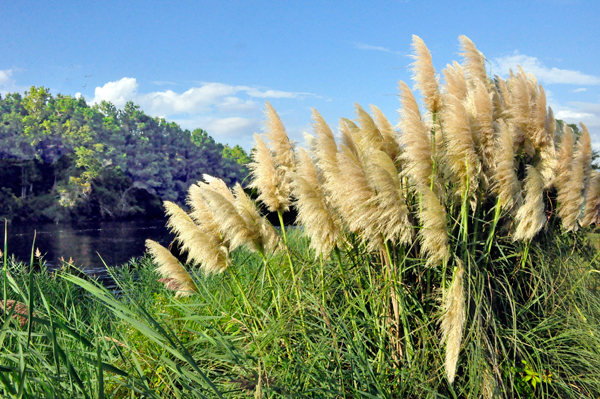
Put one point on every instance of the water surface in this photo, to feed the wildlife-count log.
(89, 245)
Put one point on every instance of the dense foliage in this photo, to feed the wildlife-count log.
(60, 157)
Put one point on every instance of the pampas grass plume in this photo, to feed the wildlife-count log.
(424, 75)
(530, 217)
(474, 61)
(170, 268)
(453, 321)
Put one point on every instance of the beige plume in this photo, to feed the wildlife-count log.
(392, 213)
(474, 61)
(453, 320)
(315, 214)
(170, 268)
(326, 148)
(434, 230)
(267, 239)
(279, 142)
(530, 217)
(388, 133)
(591, 214)
(480, 111)
(506, 182)
(424, 75)
(571, 195)
(456, 83)
(273, 188)
(369, 134)
(417, 154)
(203, 248)
(461, 155)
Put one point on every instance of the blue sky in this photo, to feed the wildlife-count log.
(212, 64)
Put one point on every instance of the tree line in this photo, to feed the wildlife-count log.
(62, 159)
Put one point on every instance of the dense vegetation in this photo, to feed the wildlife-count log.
(61, 158)
(448, 260)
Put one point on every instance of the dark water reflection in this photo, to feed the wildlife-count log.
(88, 244)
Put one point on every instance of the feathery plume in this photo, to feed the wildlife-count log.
(479, 107)
(530, 217)
(369, 135)
(326, 149)
(564, 158)
(218, 185)
(453, 321)
(283, 149)
(461, 156)
(314, 211)
(232, 226)
(391, 217)
(417, 153)
(591, 213)
(355, 199)
(266, 238)
(474, 60)
(205, 249)
(456, 83)
(273, 189)
(270, 169)
(170, 268)
(350, 136)
(434, 232)
(572, 194)
(506, 182)
(388, 133)
(424, 75)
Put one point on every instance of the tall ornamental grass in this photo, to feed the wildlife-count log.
(444, 257)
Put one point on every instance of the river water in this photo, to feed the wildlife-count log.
(90, 245)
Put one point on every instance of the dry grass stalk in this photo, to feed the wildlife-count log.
(424, 75)
(326, 149)
(315, 213)
(530, 217)
(474, 61)
(453, 321)
(170, 268)
(202, 248)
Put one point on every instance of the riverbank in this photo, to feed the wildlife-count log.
(258, 330)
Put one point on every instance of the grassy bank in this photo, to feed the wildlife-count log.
(245, 335)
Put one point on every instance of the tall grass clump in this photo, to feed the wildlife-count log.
(445, 257)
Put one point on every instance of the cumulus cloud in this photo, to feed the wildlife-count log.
(588, 113)
(225, 111)
(118, 92)
(502, 65)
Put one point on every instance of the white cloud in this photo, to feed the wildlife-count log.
(227, 112)
(118, 92)
(5, 77)
(502, 65)
(363, 46)
(588, 113)
(581, 89)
